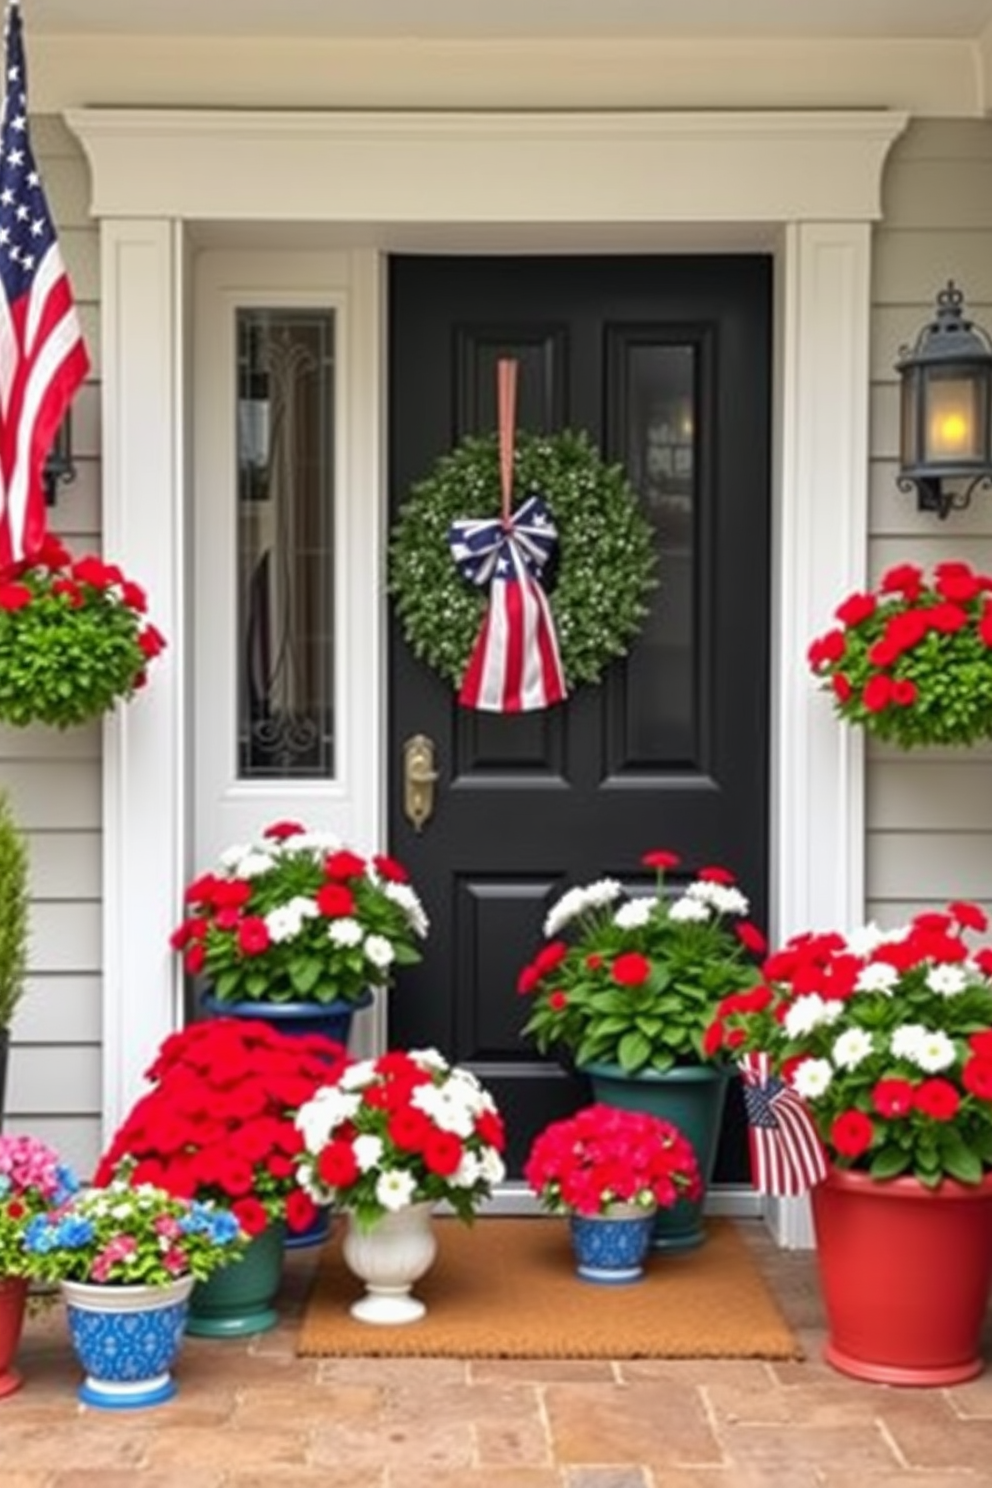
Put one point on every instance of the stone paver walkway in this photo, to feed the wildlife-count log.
(251, 1415)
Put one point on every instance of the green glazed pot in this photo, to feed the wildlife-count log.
(239, 1299)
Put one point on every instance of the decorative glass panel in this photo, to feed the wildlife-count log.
(285, 539)
(660, 456)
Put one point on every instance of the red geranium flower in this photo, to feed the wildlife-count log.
(851, 1133)
(631, 969)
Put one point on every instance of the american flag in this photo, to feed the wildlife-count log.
(515, 666)
(43, 357)
(787, 1157)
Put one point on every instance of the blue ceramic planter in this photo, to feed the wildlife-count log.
(611, 1248)
(127, 1339)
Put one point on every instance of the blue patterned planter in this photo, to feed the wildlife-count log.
(127, 1339)
(611, 1248)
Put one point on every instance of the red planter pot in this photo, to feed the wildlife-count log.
(906, 1273)
(13, 1296)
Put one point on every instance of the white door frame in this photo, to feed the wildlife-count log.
(804, 186)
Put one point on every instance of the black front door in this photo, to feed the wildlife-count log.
(665, 362)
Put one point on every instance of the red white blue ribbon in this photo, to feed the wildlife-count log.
(515, 666)
(787, 1156)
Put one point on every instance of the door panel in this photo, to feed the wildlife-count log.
(665, 362)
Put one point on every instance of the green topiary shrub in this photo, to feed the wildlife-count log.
(13, 912)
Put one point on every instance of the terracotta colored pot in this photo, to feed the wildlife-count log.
(906, 1273)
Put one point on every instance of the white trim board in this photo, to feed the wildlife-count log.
(805, 186)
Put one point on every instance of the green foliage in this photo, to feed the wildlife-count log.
(73, 639)
(13, 912)
(640, 981)
(599, 581)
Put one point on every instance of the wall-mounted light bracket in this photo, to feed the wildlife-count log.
(59, 468)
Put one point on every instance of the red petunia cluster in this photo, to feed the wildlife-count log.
(913, 660)
(219, 1121)
(604, 1155)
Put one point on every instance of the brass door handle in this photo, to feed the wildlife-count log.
(419, 779)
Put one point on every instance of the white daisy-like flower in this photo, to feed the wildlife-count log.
(356, 1076)
(446, 1108)
(409, 902)
(493, 1166)
(379, 951)
(345, 932)
(395, 1188)
(284, 922)
(368, 1150)
(724, 898)
(255, 863)
(326, 1109)
(877, 976)
(429, 1059)
(947, 981)
(231, 856)
(866, 939)
(315, 842)
(812, 1078)
(930, 1049)
(634, 914)
(468, 1171)
(689, 909)
(806, 1013)
(851, 1048)
(578, 901)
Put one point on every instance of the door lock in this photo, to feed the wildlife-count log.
(419, 779)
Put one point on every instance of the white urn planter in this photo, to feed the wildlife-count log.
(389, 1257)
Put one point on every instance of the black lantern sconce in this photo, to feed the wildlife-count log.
(59, 469)
(946, 409)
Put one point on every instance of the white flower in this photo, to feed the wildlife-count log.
(356, 1076)
(878, 976)
(851, 1047)
(254, 864)
(866, 939)
(575, 902)
(286, 920)
(724, 898)
(946, 980)
(446, 1107)
(812, 1078)
(468, 1172)
(325, 1110)
(409, 903)
(686, 909)
(929, 1049)
(395, 1188)
(345, 931)
(493, 1166)
(809, 1012)
(633, 915)
(429, 1059)
(379, 951)
(368, 1150)
(316, 843)
(231, 856)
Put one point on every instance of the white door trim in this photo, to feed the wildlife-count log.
(805, 186)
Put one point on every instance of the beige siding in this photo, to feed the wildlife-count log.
(929, 813)
(54, 778)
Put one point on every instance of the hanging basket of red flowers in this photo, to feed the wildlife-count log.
(911, 661)
(218, 1122)
(74, 638)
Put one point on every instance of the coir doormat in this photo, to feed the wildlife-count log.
(507, 1288)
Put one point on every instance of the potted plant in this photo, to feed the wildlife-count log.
(298, 928)
(13, 930)
(74, 638)
(126, 1257)
(218, 1124)
(626, 988)
(33, 1181)
(610, 1170)
(394, 1137)
(910, 661)
(886, 1036)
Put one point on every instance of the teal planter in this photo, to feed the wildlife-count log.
(692, 1098)
(239, 1299)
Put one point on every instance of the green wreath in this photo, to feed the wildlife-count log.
(599, 579)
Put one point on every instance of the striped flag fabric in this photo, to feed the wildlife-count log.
(43, 357)
(515, 666)
(787, 1156)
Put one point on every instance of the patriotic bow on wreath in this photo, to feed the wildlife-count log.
(515, 666)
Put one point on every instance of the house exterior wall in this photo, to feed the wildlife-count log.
(929, 813)
(54, 779)
(929, 818)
